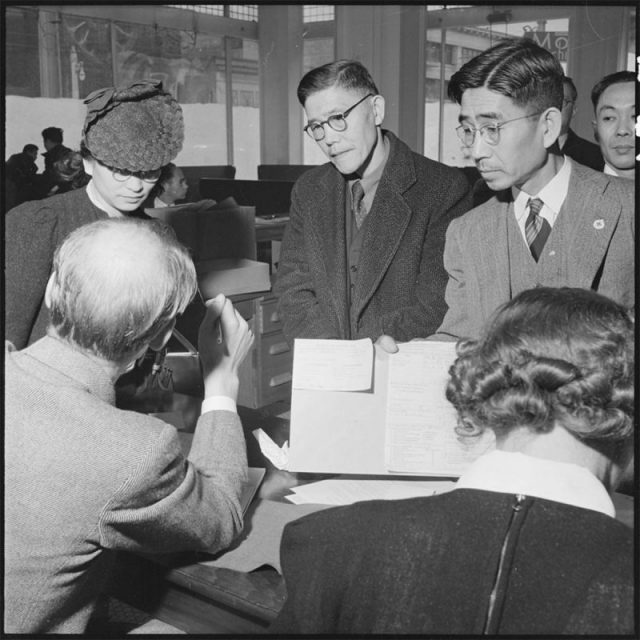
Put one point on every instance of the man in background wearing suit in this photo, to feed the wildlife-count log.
(570, 143)
(362, 253)
(614, 108)
(552, 222)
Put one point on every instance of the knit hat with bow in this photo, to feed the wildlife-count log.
(138, 128)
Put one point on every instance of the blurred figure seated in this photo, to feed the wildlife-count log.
(70, 173)
(20, 176)
(527, 542)
(170, 188)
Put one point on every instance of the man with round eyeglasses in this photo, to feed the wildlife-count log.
(552, 222)
(129, 134)
(362, 252)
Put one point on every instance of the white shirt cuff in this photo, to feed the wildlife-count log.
(218, 403)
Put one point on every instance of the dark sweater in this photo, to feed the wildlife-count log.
(428, 565)
(583, 151)
(33, 231)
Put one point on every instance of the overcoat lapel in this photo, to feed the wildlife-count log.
(329, 237)
(386, 224)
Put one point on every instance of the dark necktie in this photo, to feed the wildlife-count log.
(536, 228)
(359, 210)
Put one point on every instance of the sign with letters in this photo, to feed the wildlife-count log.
(556, 42)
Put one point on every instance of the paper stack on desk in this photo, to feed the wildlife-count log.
(357, 409)
(342, 491)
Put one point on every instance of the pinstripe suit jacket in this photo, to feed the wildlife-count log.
(591, 245)
(401, 277)
(83, 478)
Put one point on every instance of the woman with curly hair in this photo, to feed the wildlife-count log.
(527, 542)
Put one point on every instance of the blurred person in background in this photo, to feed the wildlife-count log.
(614, 107)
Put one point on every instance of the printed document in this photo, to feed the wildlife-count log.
(401, 424)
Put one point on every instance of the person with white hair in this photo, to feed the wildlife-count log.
(84, 478)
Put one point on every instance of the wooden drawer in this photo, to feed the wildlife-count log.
(275, 366)
(265, 375)
(268, 318)
(274, 345)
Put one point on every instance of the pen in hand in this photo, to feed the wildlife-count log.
(219, 330)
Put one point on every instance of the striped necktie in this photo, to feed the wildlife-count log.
(536, 228)
(359, 209)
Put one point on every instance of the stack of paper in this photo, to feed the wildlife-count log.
(346, 491)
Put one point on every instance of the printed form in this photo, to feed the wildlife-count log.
(420, 421)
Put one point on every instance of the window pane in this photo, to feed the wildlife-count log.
(316, 52)
(246, 107)
(460, 44)
(189, 65)
(244, 12)
(85, 50)
(21, 53)
(317, 13)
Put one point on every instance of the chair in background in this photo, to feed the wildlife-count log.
(193, 175)
(269, 197)
(289, 172)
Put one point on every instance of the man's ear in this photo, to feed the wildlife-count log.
(162, 337)
(48, 291)
(378, 109)
(552, 125)
(595, 130)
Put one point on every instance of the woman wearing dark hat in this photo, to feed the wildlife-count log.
(128, 136)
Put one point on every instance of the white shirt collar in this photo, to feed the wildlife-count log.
(609, 170)
(93, 196)
(553, 195)
(159, 204)
(514, 472)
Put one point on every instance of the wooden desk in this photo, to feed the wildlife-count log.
(198, 599)
(181, 592)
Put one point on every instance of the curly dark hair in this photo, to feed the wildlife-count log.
(550, 355)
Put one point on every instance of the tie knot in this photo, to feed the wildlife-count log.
(357, 192)
(535, 205)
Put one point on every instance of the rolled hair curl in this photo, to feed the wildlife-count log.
(549, 356)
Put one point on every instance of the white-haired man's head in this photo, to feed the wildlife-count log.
(117, 285)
